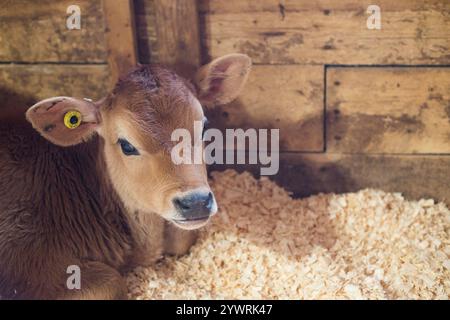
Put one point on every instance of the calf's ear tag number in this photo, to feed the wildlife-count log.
(72, 119)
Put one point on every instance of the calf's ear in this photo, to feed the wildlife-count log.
(221, 81)
(64, 121)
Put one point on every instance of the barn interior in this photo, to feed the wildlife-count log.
(359, 207)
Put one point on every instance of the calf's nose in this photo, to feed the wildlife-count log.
(196, 205)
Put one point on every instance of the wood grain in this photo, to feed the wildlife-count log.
(415, 176)
(146, 36)
(27, 84)
(120, 35)
(36, 31)
(388, 110)
(233, 6)
(289, 98)
(328, 32)
(178, 35)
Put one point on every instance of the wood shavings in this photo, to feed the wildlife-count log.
(265, 245)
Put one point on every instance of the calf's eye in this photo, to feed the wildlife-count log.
(127, 148)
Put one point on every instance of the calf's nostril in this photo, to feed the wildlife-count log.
(183, 205)
(195, 205)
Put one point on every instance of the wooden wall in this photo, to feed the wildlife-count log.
(355, 107)
(40, 57)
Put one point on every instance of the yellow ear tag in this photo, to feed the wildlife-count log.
(72, 119)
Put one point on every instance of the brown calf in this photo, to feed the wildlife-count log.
(97, 188)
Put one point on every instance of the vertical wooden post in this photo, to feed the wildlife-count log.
(120, 36)
(177, 29)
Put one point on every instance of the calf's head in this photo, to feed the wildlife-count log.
(135, 123)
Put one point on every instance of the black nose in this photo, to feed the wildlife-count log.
(195, 205)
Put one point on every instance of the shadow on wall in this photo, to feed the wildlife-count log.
(304, 134)
(14, 104)
(308, 174)
(146, 43)
(303, 174)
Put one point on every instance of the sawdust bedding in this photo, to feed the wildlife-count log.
(265, 245)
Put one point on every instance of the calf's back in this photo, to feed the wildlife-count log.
(56, 210)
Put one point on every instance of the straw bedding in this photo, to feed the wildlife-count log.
(265, 245)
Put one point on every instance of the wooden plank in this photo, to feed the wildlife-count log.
(286, 97)
(388, 110)
(328, 32)
(220, 6)
(27, 84)
(146, 37)
(36, 31)
(416, 176)
(120, 35)
(178, 35)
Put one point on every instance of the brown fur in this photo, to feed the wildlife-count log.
(87, 204)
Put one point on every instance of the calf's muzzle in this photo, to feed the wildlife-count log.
(197, 205)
